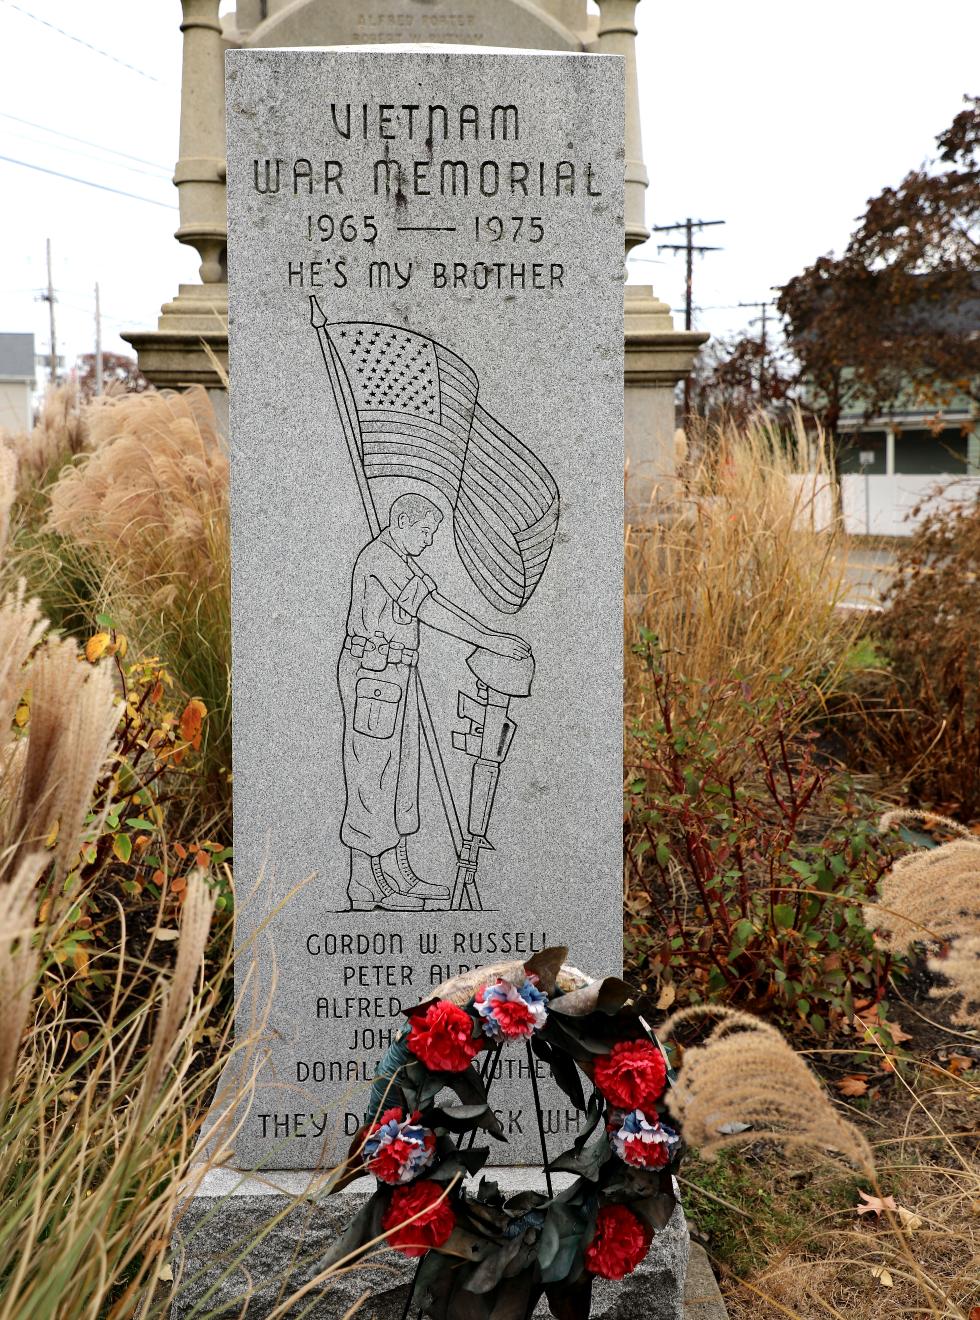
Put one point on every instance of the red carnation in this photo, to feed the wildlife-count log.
(436, 1218)
(619, 1243)
(633, 1076)
(442, 1037)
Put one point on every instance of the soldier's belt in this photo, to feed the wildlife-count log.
(370, 651)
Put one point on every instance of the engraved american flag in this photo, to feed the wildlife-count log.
(413, 408)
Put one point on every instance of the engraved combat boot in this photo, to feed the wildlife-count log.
(369, 888)
(398, 870)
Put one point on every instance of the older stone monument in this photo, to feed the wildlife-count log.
(190, 341)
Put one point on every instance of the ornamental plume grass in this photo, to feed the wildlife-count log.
(932, 896)
(742, 1082)
(195, 923)
(48, 773)
(56, 437)
(143, 521)
(143, 498)
(18, 960)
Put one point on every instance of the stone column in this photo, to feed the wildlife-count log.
(190, 343)
(657, 355)
(617, 36)
(200, 172)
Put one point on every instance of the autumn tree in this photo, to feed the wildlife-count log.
(899, 312)
(120, 374)
(738, 375)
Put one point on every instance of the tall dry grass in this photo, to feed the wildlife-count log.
(918, 1255)
(58, 435)
(49, 768)
(739, 572)
(97, 1124)
(136, 528)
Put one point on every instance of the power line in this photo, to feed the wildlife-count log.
(5, 114)
(77, 154)
(689, 247)
(50, 298)
(103, 187)
(760, 320)
(87, 44)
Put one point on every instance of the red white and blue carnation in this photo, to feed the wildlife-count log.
(639, 1142)
(398, 1148)
(509, 1012)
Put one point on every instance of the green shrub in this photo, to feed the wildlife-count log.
(747, 862)
(916, 721)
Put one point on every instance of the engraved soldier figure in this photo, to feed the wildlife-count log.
(378, 679)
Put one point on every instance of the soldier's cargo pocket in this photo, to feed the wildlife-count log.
(376, 707)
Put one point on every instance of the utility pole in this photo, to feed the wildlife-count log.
(98, 342)
(760, 320)
(49, 298)
(689, 247)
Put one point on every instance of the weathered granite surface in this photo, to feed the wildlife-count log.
(517, 23)
(209, 1279)
(458, 216)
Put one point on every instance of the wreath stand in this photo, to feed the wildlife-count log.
(486, 1076)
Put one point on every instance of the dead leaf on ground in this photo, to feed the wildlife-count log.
(895, 1030)
(875, 1204)
(853, 1084)
(909, 1221)
(960, 1063)
(666, 997)
(881, 1274)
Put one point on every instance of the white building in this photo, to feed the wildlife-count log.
(16, 381)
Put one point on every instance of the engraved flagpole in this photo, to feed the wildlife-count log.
(345, 407)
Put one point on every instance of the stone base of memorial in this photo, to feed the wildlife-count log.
(262, 1237)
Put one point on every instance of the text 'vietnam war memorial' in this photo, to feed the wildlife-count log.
(427, 470)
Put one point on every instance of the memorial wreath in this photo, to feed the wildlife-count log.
(478, 1250)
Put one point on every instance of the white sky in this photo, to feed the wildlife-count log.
(779, 116)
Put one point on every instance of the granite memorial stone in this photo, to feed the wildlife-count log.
(426, 334)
